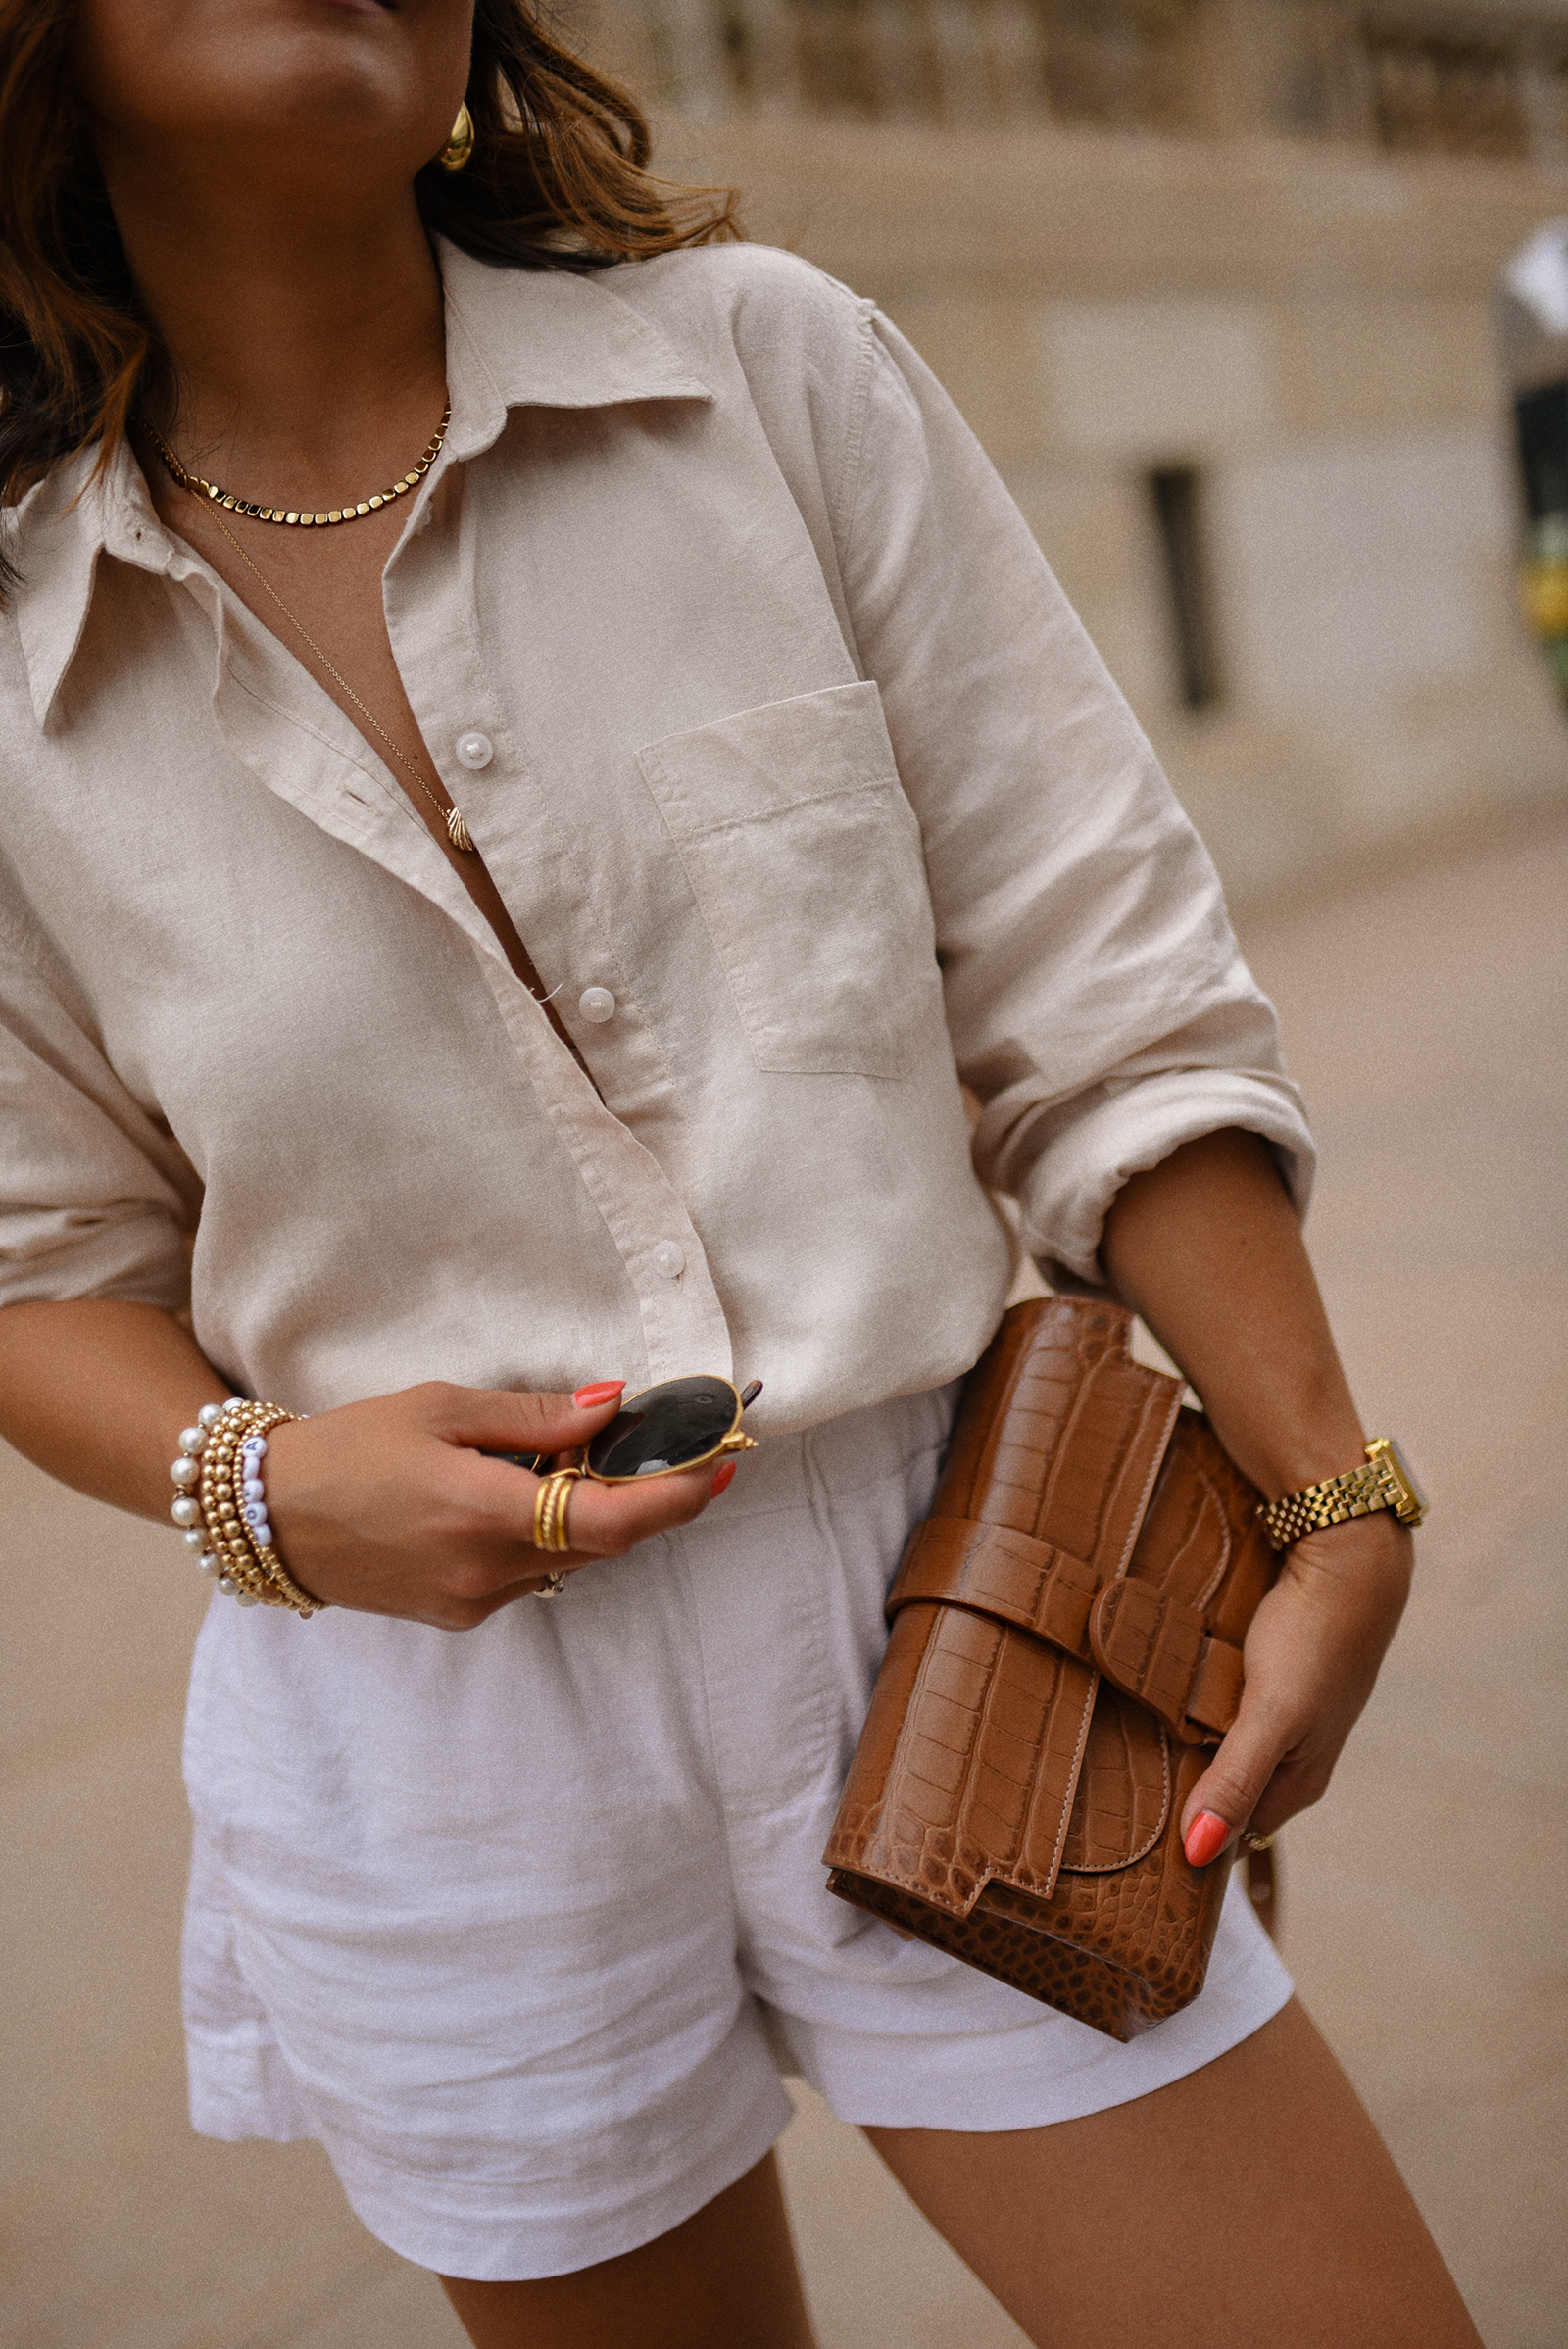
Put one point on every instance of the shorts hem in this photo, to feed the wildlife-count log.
(974, 2082)
(499, 2244)
(1004, 2102)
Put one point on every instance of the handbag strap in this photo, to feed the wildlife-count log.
(962, 1562)
(1152, 1644)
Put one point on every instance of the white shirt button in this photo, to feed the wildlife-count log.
(597, 1004)
(669, 1259)
(475, 749)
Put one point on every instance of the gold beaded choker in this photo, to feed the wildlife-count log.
(279, 514)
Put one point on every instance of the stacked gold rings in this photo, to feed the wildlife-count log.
(550, 1506)
(1255, 1841)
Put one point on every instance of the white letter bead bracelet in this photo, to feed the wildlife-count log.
(221, 1508)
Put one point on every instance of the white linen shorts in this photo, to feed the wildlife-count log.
(522, 1922)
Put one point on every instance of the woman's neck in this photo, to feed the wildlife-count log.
(305, 356)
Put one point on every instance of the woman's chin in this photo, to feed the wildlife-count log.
(339, 75)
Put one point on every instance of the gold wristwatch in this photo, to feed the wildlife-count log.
(1385, 1482)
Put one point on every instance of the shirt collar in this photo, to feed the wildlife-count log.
(546, 338)
(516, 338)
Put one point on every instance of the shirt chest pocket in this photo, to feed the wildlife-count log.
(805, 859)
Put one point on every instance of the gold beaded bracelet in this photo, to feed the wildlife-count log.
(223, 1520)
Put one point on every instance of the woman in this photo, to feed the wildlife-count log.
(532, 935)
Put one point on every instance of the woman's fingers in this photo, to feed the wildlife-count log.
(605, 1521)
(1291, 1660)
(488, 1419)
(1312, 1656)
(1235, 1783)
(615, 1519)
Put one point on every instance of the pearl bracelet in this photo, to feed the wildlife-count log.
(222, 1507)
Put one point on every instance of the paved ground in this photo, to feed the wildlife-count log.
(1425, 1912)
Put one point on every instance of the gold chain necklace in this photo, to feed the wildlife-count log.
(257, 512)
(457, 830)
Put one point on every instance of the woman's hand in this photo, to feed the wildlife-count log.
(387, 1506)
(1311, 1657)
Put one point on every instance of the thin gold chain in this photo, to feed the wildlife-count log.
(452, 817)
(258, 512)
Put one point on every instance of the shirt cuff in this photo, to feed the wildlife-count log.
(1068, 1191)
(51, 1259)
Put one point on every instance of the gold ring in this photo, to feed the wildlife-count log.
(553, 1584)
(1256, 1842)
(550, 1506)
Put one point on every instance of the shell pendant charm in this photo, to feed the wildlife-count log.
(458, 830)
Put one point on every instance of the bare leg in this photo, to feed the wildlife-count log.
(724, 2279)
(1249, 2206)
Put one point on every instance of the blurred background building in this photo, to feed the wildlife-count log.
(1214, 282)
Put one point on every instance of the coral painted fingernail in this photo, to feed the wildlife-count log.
(587, 1397)
(723, 1480)
(1206, 1838)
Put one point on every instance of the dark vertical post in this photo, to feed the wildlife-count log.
(1176, 492)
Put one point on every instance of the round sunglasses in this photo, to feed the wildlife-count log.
(681, 1424)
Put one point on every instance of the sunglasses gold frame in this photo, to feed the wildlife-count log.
(735, 1440)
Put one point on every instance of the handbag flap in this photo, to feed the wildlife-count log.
(1123, 1799)
(969, 1762)
(1062, 1433)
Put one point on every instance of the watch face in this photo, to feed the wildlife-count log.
(1405, 1474)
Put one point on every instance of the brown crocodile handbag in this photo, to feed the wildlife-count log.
(1066, 1646)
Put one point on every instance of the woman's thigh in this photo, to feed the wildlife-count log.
(1250, 2205)
(726, 2278)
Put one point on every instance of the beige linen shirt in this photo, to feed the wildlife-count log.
(795, 751)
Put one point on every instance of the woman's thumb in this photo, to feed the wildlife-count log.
(1231, 1786)
(490, 1419)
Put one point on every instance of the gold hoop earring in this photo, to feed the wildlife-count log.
(460, 146)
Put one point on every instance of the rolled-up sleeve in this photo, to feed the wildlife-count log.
(1098, 1002)
(94, 1197)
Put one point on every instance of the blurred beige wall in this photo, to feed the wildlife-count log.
(1160, 271)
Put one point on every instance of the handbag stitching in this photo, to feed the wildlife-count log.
(1114, 1866)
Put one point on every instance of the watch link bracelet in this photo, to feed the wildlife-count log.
(1385, 1482)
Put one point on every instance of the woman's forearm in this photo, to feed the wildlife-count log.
(1206, 1248)
(96, 1391)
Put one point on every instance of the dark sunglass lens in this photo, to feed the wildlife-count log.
(664, 1428)
(532, 1460)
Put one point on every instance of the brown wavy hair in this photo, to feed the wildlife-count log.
(558, 179)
